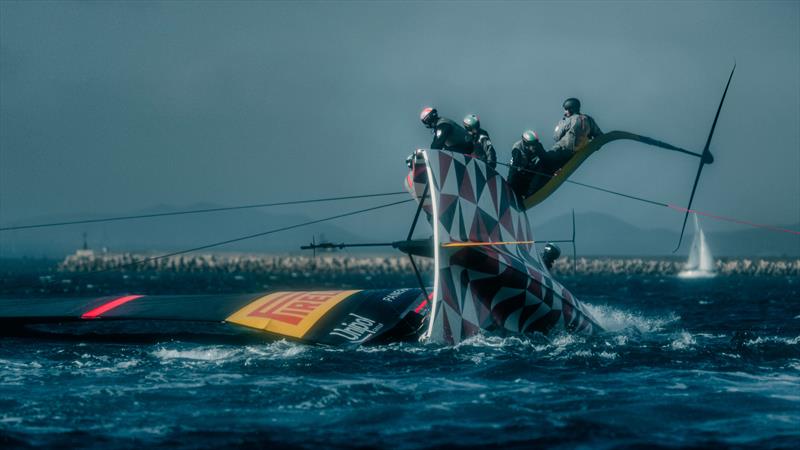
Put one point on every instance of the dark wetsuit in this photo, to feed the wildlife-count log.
(570, 133)
(523, 161)
(448, 135)
(482, 148)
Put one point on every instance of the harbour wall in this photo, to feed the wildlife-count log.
(290, 266)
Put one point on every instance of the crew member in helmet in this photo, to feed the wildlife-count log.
(481, 143)
(550, 254)
(447, 135)
(523, 164)
(572, 131)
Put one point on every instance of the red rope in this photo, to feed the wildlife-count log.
(730, 219)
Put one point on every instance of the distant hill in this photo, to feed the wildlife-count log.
(597, 234)
(601, 234)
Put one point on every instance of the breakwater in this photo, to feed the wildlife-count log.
(276, 266)
(86, 273)
(672, 266)
(368, 267)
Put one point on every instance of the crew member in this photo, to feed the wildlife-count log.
(572, 131)
(481, 143)
(447, 135)
(550, 254)
(524, 162)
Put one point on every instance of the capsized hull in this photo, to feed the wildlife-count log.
(341, 318)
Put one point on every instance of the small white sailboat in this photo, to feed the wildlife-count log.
(701, 263)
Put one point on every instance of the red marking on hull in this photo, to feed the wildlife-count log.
(108, 306)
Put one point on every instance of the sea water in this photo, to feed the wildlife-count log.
(684, 363)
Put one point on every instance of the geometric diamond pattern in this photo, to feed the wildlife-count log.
(487, 287)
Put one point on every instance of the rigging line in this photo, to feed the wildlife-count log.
(197, 211)
(249, 236)
(419, 209)
(632, 197)
(731, 219)
(653, 202)
(666, 205)
(574, 247)
(597, 188)
(419, 276)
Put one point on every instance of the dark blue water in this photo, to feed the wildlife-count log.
(685, 363)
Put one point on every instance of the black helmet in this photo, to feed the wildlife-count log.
(429, 116)
(472, 123)
(572, 105)
(550, 254)
(529, 137)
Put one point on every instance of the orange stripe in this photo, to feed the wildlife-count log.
(478, 244)
(105, 307)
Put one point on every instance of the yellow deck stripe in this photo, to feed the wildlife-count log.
(290, 313)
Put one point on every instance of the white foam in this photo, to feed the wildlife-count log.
(774, 340)
(685, 340)
(607, 355)
(282, 349)
(612, 319)
(696, 274)
(791, 398)
(198, 354)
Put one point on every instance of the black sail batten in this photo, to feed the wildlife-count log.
(707, 158)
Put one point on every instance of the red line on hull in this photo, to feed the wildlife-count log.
(108, 306)
(424, 302)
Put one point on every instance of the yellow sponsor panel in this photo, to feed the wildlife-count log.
(288, 313)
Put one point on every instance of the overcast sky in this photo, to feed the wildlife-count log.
(112, 107)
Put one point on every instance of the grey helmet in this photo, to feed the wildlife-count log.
(529, 137)
(472, 123)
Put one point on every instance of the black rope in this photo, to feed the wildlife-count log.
(249, 236)
(419, 209)
(419, 276)
(632, 197)
(197, 211)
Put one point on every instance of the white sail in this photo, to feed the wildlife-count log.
(695, 249)
(706, 260)
(700, 263)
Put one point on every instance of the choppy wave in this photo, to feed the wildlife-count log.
(615, 319)
(680, 365)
